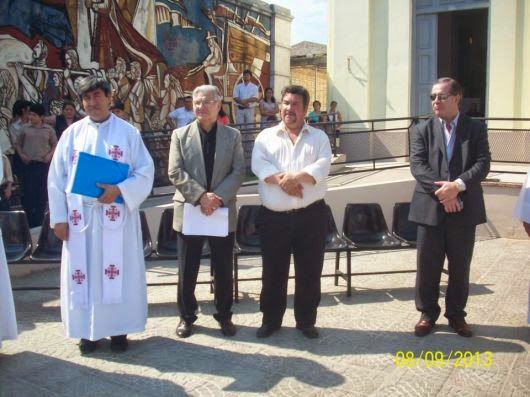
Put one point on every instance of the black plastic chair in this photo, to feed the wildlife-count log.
(49, 247)
(365, 225)
(166, 242)
(15, 235)
(337, 243)
(402, 228)
(146, 235)
(247, 239)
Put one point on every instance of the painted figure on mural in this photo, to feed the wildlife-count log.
(171, 91)
(33, 78)
(72, 73)
(137, 95)
(113, 35)
(212, 63)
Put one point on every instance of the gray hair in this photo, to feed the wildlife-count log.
(208, 89)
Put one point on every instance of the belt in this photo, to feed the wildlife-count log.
(299, 210)
(242, 107)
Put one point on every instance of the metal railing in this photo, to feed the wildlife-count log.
(378, 142)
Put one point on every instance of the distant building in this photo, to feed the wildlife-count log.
(308, 69)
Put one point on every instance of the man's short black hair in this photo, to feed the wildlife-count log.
(92, 83)
(37, 108)
(19, 106)
(297, 90)
(118, 105)
(247, 71)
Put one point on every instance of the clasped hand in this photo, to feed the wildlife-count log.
(209, 202)
(447, 194)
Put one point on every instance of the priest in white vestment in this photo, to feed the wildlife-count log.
(522, 212)
(8, 321)
(103, 286)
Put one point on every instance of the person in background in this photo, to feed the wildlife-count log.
(103, 287)
(335, 119)
(35, 146)
(292, 161)
(315, 115)
(118, 108)
(20, 117)
(246, 96)
(6, 182)
(268, 109)
(222, 117)
(63, 121)
(183, 115)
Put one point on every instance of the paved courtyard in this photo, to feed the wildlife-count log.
(366, 346)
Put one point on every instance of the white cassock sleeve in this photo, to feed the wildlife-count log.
(138, 185)
(57, 181)
(522, 208)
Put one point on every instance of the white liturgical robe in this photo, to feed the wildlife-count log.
(97, 317)
(522, 208)
(8, 322)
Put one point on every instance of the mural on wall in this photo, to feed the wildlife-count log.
(151, 51)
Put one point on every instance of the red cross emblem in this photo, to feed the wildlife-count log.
(113, 213)
(74, 156)
(75, 217)
(115, 152)
(112, 272)
(78, 277)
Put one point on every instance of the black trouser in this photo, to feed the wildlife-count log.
(222, 261)
(434, 244)
(35, 191)
(302, 233)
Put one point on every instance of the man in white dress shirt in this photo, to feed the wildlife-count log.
(292, 161)
(8, 321)
(246, 97)
(103, 289)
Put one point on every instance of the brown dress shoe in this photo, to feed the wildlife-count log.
(461, 328)
(183, 329)
(423, 327)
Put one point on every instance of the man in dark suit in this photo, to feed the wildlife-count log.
(207, 166)
(449, 158)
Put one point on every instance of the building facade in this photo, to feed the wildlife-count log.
(384, 55)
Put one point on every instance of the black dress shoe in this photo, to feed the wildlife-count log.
(119, 343)
(184, 329)
(423, 327)
(87, 346)
(228, 328)
(310, 332)
(266, 330)
(461, 328)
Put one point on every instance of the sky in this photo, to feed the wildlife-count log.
(310, 19)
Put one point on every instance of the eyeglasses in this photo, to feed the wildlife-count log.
(205, 102)
(441, 97)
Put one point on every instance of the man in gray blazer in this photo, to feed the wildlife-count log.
(449, 157)
(207, 166)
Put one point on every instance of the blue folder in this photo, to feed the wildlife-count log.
(95, 169)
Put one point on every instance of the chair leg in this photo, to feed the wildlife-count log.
(211, 280)
(236, 284)
(337, 267)
(348, 275)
